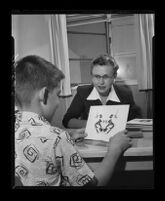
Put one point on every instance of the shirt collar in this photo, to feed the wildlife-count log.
(31, 118)
(94, 95)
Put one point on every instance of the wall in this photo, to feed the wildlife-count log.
(75, 73)
(124, 50)
(31, 35)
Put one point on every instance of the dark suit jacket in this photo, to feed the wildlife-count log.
(80, 106)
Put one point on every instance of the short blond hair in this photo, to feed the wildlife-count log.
(107, 60)
(33, 73)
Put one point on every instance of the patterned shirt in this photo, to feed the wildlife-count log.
(46, 155)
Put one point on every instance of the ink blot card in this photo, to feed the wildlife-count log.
(105, 121)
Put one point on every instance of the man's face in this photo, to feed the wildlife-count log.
(53, 102)
(103, 78)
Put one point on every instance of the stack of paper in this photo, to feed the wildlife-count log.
(142, 124)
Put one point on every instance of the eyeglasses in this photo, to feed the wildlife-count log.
(105, 77)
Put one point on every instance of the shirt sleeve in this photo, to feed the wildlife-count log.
(75, 110)
(74, 170)
(135, 111)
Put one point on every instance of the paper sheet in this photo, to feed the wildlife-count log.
(105, 121)
(140, 122)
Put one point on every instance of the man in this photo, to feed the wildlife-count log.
(103, 91)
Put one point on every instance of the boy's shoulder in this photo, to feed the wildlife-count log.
(48, 130)
(61, 135)
(56, 130)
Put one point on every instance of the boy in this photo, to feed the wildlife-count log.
(46, 155)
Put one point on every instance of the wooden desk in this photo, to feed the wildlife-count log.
(138, 157)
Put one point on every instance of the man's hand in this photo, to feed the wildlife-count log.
(78, 135)
(120, 142)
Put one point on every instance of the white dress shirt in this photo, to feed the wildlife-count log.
(94, 95)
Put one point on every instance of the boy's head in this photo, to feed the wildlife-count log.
(37, 85)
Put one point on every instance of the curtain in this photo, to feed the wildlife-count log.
(144, 31)
(59, 49)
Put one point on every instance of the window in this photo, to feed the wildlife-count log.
(88, 40)
(123, 48)
(85, 42)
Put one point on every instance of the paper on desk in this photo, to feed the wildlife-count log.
(105, 121)
(147, 122)
(143, 124)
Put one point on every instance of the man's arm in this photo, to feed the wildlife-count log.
(126, 95)
(77, 172)
(71, 118)
(77, 123)
(135, 111)
(117, 145)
